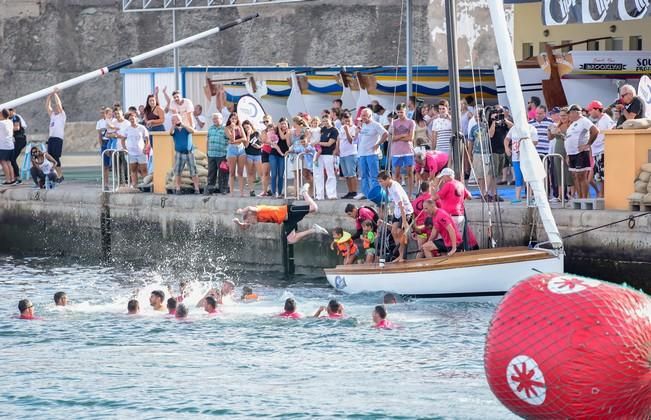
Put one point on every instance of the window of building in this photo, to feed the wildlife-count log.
(527, 50)
(541, 47)
(635, 43)
(593, 46)
(615, 44)
(566, 49)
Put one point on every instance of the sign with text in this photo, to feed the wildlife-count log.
(561, 12)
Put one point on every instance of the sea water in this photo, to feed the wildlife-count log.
(91, 360)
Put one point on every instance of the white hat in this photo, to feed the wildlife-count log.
(446, 172)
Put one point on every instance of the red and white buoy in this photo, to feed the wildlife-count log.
(563, 346)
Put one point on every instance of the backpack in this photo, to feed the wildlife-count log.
(376, 216)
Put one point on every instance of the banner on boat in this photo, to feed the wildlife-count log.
(561, 12)
(600, 62)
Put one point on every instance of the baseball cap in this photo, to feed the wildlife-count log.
(575, 107)
(595, 105)
(555, 110)
(446, 172)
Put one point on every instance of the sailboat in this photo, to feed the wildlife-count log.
(473, 275)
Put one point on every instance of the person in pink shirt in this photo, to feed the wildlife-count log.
(334, 310)
(443, 225)
(171, 307)
(360, 215)
(290, 310)
(402, 147)
(26, 308)
(380, 319)
(181, 312)
(451, 195)
(429, 163)
(417, 203)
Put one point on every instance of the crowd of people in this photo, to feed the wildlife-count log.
(176, 305)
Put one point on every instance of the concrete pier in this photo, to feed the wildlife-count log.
(76, 219)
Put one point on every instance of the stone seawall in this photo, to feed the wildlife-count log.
(77, 220)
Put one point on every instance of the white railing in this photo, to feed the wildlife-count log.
(116, 169)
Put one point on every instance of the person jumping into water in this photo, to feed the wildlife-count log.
(287, 215)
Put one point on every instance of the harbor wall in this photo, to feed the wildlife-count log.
(78, 221)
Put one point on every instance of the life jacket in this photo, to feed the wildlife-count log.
(367, 243)
(342, 248)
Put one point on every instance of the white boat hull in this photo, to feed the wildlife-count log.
(474, 282)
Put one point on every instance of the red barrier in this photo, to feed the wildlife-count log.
(563, 346)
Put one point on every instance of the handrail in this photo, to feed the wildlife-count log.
(116, 169)
(299, 173)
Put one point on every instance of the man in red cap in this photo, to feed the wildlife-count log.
(603, 122)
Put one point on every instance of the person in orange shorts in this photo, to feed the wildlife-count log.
(288, 215)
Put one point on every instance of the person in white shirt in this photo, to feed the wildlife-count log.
(578, 141)
(104, 142)
(371, 135)
(403, 212)
(603, 123)
(57, 127)
(183, 107)
(199, 119)
(512, 148)
(7, 147)
(441, 130)
(136, 140)
(118, 124)
(347, 152)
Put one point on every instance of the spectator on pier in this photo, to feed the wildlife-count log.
(7, 147)
(57, 128)
(347, 151)
(183, 153)
(441, 130)
(558, 132)
(106, 115)
(136, 139)
(532, 106)
(60, 299)
(154, 116)
(630, 106)
(411, 106)
(20, 141)
(199, 118)
(422, 140)
(42, 169)
(480, 145)
(541, 124)
(253, 151)
(603, 123)
(267, 136)
(217, 149)
(402, 147)
(325, 180)
(183, 107)
(235, 153)
(498, 127)
(277, 156)
(371, 136)
(117, 125)
(133, 307)
(512, 148)
(578, 142)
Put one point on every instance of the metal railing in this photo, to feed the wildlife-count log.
(561, 186)
(298, 177)
(116, 169)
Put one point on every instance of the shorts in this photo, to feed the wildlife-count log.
(440, 246)
(579, 162)
(295, 213)
(499, 163)
(402, 161)
(599, 167)
(265, 157)
(55, 148)
(517, 173)
(348, 166)
(139, 159)
(6, 155)
(369, 251)
(254, 158)
(399, 219)
(481, 164)
(180, 159)
(106, 158)
(234, 150)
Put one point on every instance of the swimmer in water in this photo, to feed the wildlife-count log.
(214, 293)
(290, 310)
(228, 287)
(380, 318)
(171, 306)
(60, 299)
(26, 309)
(133, 307)
(390, 299)
(334, 310)
(287, 215)
(210, 306)
(181, 312)
(248, 295)
(156, 300)
(183, 291)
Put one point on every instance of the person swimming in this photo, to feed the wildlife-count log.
(380, 318)
(210, 306)
(60, 299)
(26, 309)
(133, 307)
(226, 292)
(248, 295)
(171, 306)
(181, 312)
(183, 291)
(290, 310)
(334, 310)
(156, 300)
(390, 299)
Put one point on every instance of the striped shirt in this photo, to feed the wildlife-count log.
(443, 129)
(541, 130)
(216, 141)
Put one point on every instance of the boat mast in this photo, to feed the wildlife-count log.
(408, 50)
(532, 168)
(453, 73)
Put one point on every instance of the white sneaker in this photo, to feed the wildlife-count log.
(319, 229)
(305, 188)
(359, 196)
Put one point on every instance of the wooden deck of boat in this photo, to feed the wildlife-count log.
(458, 260)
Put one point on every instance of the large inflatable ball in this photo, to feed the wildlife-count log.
(563, 346)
